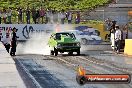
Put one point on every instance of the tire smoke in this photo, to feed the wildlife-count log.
(38, 42)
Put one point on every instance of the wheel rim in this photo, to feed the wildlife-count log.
(84, 41)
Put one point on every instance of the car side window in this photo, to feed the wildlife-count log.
(72, 35)
(58, 36)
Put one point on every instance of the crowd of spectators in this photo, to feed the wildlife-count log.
(38, 16)
(5, 15)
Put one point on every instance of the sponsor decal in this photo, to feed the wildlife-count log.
(83, 78)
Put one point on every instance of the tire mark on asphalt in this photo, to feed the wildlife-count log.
(40, 77)
(97, 62)
(28, 73)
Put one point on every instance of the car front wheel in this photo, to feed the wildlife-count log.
(51, 52)
(78, 52)
(70, 53)
(55, 51)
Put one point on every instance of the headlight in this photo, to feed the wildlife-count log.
(78, 44)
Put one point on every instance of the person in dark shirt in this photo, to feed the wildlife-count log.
(0, 16)
(37, 15)
(77, 20)
(13, 43)
(34, 15)
(20, 15)
(28, 15)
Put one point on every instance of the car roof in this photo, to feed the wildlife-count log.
(63, 32)
(71, 30)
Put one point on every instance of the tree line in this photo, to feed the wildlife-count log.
(54, 4)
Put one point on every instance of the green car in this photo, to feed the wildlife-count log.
(64, 42)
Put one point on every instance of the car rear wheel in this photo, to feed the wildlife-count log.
(84, 41)
(55, 51)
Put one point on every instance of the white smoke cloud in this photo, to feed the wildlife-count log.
(38, 42)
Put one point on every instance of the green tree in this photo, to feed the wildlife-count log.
(54, 4)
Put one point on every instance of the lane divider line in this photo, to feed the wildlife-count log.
(28, 73)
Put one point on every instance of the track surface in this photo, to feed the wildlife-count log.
(47, 71)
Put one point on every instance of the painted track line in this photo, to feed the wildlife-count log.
(28, 73)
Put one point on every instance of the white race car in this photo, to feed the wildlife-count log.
(86, 39)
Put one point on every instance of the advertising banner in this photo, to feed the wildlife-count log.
(25, 30)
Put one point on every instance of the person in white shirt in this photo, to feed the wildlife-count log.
(6, 41)
(112, 38)
(118, 38)
(69, 18)
(62, 17)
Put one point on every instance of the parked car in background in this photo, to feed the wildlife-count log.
(86, 38)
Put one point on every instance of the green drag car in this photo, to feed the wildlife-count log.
(64, 42)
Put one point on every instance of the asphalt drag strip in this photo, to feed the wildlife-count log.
(60, 72)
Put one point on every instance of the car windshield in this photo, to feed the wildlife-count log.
(58, 35)
(79, 32)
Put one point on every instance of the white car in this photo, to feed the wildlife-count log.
(86, 39)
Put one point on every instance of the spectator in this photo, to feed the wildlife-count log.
(13, 43)
(6, 41)
(124, 36)
(34, 15)
(9, 15)
(42, 14)
(0, 16)
(108, 23)
(112, 31)
(28, 15)
(115, 1)
(118, 38)
(77, 20)
(69, 17)
(62, 16)
(112, 34)
(54, 18)
(20, 15)
(0, 35)
(46, 16)
(51, 16)
(125, 29)
(37, 15)
(4, 15)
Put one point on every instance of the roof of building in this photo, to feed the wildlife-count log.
(120, 5)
